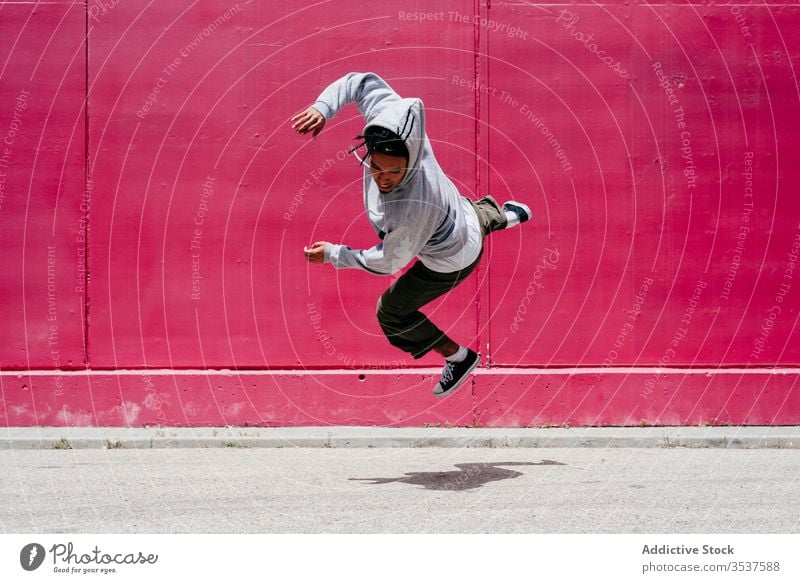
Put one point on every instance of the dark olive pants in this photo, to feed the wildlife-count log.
(398, 308)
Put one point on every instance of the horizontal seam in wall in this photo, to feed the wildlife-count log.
(395, 371)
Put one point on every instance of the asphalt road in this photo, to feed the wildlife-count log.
(403, 490)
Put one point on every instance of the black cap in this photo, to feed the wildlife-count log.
(384, 141)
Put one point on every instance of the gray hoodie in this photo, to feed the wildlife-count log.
(424, 216)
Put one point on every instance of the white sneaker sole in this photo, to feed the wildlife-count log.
(523, 206)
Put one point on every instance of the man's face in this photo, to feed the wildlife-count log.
(387, 171)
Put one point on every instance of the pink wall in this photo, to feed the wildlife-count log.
(656, 144)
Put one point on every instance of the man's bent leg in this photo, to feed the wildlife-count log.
(398, 308)
(490, 215)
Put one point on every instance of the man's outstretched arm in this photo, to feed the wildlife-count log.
(367, 90)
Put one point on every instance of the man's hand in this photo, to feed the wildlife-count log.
(309, 120)
(316, 253)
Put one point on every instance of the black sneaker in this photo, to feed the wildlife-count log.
(455, 373)
(523, 212)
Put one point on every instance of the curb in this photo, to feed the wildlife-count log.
(751, 437)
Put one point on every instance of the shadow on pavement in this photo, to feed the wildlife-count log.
(468, 476)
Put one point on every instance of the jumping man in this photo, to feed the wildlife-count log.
(416, 211)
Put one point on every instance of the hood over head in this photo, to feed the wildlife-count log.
(405, 117)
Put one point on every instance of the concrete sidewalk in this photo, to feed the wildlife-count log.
(402, 490)
(371, 437)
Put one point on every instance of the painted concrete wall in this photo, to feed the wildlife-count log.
(154, 204)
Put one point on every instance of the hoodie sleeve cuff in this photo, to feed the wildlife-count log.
(323, 108)
(331, 252)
